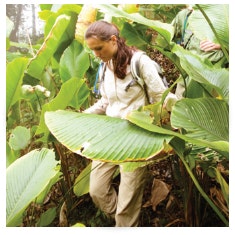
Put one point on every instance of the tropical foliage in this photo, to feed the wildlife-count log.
(51, 84)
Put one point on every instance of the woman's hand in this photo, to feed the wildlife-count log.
(207, 45)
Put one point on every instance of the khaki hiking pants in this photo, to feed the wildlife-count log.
(124, 207)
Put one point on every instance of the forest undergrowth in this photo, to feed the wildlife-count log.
(157, 211)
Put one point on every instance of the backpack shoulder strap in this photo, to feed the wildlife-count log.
(135, 61)
(185, 26)
(99, 78)
(135, 71)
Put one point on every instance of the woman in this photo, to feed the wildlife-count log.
(117, 101)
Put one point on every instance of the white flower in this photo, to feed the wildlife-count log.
(27, 89)
(47, 93)
(40, 88)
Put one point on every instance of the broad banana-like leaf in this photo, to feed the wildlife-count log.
(139, 118)
(14, 76)
(74, 62)
(50, 12)
(166, 30)
(202, 118)
(219, 17)
(52, 42)
(133, 37)
(72, 93)
(196, 90)
(26, 178)
(203, 71)
(104, 138)
(41, 197)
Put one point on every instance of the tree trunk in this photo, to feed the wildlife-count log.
(33, 24)
(17, 22)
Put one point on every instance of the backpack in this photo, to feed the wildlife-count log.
(134, 66)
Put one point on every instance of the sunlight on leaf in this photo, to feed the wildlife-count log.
(104, 138)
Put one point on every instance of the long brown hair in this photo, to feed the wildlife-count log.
(103, 31)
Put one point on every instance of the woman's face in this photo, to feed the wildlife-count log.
(105, 50)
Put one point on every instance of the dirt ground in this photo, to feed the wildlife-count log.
(162, 206)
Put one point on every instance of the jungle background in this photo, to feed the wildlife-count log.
(42, 44)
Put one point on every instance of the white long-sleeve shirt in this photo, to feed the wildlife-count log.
(116, 102)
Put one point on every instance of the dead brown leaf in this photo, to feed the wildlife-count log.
(218, 199)
(159, 193)
(63, 216)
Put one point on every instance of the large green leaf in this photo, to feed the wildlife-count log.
(219, 17)
(203, 71)
(53, 41)
(74, 62)
(14, 76)
(166, 30)
(25, 179)
(50, 12)
(104, 138)
(203, 118)
(139, 118)
(133, 37)
(72, 93)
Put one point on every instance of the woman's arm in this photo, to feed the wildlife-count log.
(99, 107)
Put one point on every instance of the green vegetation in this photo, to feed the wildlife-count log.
(48, 86)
